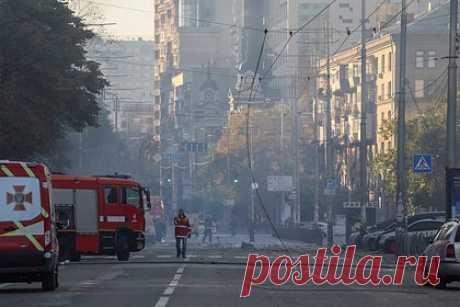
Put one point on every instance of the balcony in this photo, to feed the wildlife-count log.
(343, 85)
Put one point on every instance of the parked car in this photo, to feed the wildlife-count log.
(419, 233)
(446, 244)
(371, 239)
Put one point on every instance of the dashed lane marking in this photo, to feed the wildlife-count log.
(3, 286)
(169, 291)
(163, 300)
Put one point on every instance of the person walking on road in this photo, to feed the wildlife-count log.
(182, 232)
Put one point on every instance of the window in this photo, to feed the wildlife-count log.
(422, 226)
(131, 196)
(419, 88)
(457, 236)
(389, 90)
(382, 91)
(382, 148)
(390, 61)
(382, 116)
(389, 115)
(111, 195)
(382, 64)
(444, 232)
(419, 59)
(432, 59)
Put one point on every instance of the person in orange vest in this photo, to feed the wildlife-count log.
(182, 232)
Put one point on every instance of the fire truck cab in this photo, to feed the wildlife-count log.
(28, 240)
(99, 215)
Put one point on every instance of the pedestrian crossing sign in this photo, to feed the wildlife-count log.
(422, 164)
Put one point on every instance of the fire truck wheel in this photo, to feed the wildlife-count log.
(50, 281)
(123, 248)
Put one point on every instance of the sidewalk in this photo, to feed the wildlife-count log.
(239, 241)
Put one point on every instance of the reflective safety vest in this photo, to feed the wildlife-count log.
(183, 228)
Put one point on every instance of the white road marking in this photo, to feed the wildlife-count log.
(177, 276)
(215, 257)
(241, 257)
(88, 283)
(162, 302)
(2, 286)
(169, 291)
(164, 256)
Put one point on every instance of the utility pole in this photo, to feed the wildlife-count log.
(295, 148)
(253, 189)
(317, 164)
(116, 108)
(401, 130)
(173, 183)
(364, 97)
(452, 97)
(328, 142)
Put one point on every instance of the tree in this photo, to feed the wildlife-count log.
(47, 86)
(425, 134)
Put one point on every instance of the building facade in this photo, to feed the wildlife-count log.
(427, 44)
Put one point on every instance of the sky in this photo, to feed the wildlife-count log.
(133, 18)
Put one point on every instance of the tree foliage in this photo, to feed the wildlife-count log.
(425, 135)
(47, 85)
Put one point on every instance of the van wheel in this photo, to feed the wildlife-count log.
(123, 248)
(50, 281)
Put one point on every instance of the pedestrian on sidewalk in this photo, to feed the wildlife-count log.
(182, 232)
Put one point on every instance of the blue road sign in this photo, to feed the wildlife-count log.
(331, 186)
(422, 164)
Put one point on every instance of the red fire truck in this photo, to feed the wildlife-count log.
(28, 242)
(99, 215)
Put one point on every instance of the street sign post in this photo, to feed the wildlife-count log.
(422, 164)
(331, 185)
(279, 183)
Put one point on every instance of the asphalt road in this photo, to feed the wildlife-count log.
(155, 278)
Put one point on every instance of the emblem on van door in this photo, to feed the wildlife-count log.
(19, 198)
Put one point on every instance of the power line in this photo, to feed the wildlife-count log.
(119, 6)
(359, 26)
(292, 34)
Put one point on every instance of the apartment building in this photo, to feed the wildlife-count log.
(427, 44)
(128, 66)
